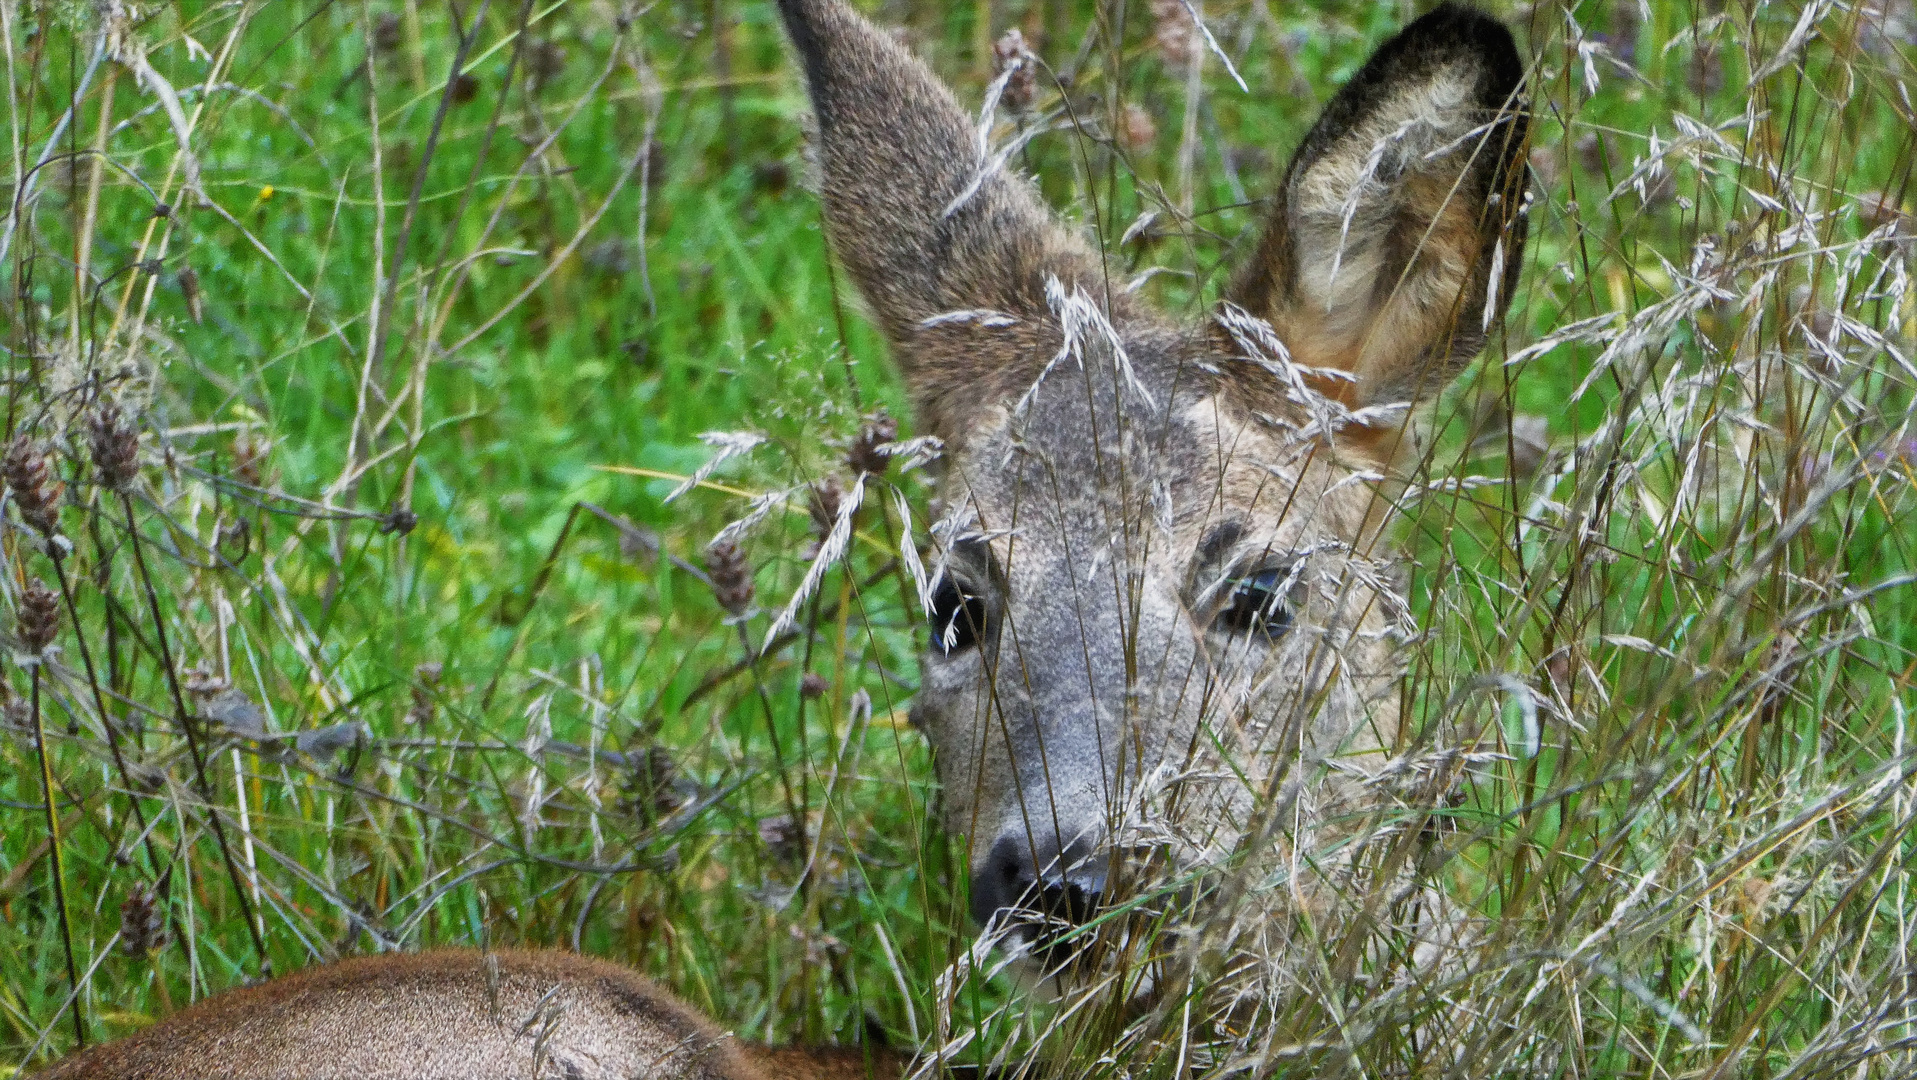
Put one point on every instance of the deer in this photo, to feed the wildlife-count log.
(1165, 607)
(457, 1013)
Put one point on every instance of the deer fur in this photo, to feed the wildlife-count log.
(1116, 481)
(457, 1015)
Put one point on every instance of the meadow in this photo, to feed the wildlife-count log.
(379, 376)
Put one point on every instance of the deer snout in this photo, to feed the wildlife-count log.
(1045, 887)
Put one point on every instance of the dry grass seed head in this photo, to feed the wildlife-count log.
(38, 619)
(116, 447)
(35, 491)
(142, 922)
(731, 575)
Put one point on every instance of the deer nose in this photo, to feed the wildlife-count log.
(1037, 881)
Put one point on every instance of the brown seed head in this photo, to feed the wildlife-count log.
(35, 491)
(398, 520)
(1009, 53)
(783, 837)
(1174, 34)
(142, 922)
(866, 453)
(1544, 165)
(813, 686)
(827, 495)
(731, 576)
(15, 715)
(1659, 189)
(1136, 128)
(39, 617)
(190, 292)
(386, 32)
(249, 452)
(544, 59)
(200, 682)
(651, 788)
(425, 679)
(116, 448)
(1590, 153)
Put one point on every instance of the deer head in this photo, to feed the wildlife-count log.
(1162, 608)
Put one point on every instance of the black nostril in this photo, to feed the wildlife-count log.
(1006, 881)
(1067, 902)
(1066, 895)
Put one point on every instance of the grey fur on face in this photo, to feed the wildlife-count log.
(1164, 614)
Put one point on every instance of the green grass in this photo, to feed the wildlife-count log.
(1725, 723)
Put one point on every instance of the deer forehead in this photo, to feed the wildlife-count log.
(1147, 496)
(1284, 488)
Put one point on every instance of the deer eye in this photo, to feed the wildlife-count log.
(958, 617)
(1258, 604)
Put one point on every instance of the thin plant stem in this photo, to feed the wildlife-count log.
(99, 704)
(778, 752)
(56, 861)
(192, 739)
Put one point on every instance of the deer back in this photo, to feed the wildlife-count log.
(455, 1013)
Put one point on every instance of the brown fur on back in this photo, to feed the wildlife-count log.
(455, 1014)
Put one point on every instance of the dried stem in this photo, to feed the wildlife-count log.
(106, 720)
(185, 723)
(56, 860)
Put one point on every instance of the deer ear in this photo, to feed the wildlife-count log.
(952, 254)
(1397, 233)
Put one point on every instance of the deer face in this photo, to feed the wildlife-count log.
(1161, 606)
(1143, 633)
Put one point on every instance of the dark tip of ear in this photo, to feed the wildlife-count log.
(1447, 33)
(1444, 35)
(1491, 37)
